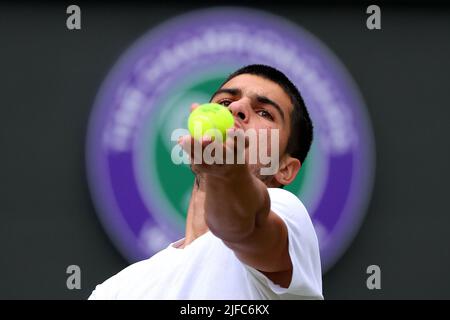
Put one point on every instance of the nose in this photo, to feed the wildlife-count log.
(240, 109)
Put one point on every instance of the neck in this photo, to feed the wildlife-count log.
(195, 222)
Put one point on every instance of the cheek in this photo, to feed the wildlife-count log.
(284, 138)
(269, 140)
(264, 132)
(276, 140)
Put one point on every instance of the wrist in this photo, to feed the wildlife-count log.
(234, 174)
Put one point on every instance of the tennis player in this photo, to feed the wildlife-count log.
(246, 237)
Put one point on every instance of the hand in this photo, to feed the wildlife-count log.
(215, 157)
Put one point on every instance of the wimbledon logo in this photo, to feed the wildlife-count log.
(142, 197)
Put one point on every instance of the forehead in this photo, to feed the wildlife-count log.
(252, 84)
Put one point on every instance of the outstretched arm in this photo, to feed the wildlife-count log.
(237, 210)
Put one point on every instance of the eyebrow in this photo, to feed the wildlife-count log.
(232, 91)
(260, 99)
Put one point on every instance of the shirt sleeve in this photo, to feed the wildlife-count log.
(306, 280)
(103, 291)
(110, 288)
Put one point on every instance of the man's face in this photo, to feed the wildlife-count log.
(257, 103)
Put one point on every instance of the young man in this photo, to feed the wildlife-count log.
(246, 237)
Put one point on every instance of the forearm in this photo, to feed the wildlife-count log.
(235, 204)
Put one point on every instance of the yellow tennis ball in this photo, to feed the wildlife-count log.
(210, 119)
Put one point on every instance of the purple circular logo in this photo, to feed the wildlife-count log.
(141, 196)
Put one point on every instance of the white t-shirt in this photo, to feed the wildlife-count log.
(207, 269)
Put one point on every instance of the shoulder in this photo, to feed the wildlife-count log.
(294, 214)
(278, 193)
(287, 205)
(303, 245)
(110, 288)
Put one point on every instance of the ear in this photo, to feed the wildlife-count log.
(289, 167)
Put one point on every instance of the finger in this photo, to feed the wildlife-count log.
(186, 143)
(206, 140)
(194, 106)
(197, 151)
(192, 147)
(198, 148)
(236, 138)
(238, 144)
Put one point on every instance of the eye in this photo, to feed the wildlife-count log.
(225, 102)
(265, 114)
